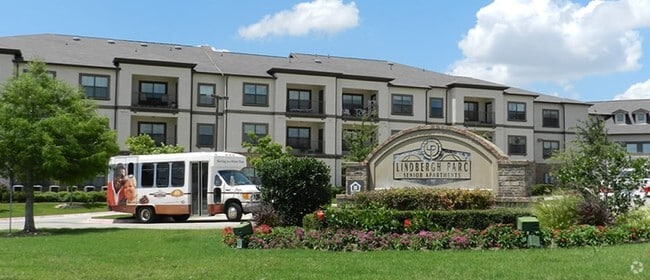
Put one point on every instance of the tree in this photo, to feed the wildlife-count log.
(143, 144)
(361, 140)
(594, 164)
(264, 149)
(48, 131)
(295, 186)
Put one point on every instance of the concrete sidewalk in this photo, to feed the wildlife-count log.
(95, 220)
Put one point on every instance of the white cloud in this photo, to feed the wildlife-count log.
(636, 91)
(327, 16)
(520, 41)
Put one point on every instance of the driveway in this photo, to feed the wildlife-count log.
(99, 220)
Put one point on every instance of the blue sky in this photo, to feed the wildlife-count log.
(580, 49)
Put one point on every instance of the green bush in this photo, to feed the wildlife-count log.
(425, 199)
(638, 218)
(266, 215)
(559, 212)
(295, 186)
(542, 189)
(388, 220)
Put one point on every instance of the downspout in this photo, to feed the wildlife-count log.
(225, 109)
(191, 111)
(426, 107)
(223, 76)
(446, 106)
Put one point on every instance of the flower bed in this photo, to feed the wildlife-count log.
(500, 236)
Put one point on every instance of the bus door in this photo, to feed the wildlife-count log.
(199, 194)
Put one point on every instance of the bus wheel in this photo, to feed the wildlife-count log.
(233, 212)
(180, 218)
(145, 214)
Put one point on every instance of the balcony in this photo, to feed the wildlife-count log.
(305, 108)
(479, 118)
(358, 112)
(305, 146)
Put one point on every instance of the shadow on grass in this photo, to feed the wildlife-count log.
(57, 231)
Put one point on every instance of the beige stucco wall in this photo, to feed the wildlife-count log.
(7, 69)
(484, 157)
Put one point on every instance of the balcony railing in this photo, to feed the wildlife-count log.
(146, 99)
(359, 113)
(479, 118)
(304, 107)
(305, 146)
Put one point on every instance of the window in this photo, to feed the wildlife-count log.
(256, 94)
(158, 174)
(402, 104)
(517, 145)
(299, 100)
(352, 103)
(205, 136)
(619, 118)
(550, 118)
(155, 130)
(259, 129)
(299, 138)
(638, 147)
(471, 111)
(517, 111)
(95, 86)
(435, 107)
(206, 92)
(549, 147)
(640, 117)
(549, 179)
(632, 148)
(153, 93)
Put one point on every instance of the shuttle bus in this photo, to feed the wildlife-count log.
(180, 185)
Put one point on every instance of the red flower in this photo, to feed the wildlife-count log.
(227, 231)
(407, 223)
(320, 215)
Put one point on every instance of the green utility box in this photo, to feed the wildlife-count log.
(242, 229)
(530, 225)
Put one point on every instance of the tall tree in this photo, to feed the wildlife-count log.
(361, 140)
(49, 131)
(595, 163)
(143, 144)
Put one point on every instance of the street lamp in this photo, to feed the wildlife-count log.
(216, 118)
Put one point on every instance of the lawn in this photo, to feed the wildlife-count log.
(49, 208)
(200, 254)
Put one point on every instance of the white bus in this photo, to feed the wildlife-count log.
(180, 185)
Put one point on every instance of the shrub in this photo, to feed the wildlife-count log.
(425, 199)
(639, 218)
(542, 189)
(558, 213)
(266, 215)
(294, 186)
(388, 220)
(593, 211)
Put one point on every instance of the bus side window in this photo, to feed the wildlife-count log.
(130, 169)
(217, 188)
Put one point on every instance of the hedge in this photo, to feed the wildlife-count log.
(424, 199)
(63, 196)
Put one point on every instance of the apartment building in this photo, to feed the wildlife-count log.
(206, 100)
(627, 122)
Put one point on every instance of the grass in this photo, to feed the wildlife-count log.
(49, 208)
(200, 254)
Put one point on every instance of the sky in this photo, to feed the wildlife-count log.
(579, 49)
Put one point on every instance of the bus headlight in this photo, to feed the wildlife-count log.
(246, 195)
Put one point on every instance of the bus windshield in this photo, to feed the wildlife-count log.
(234, 177)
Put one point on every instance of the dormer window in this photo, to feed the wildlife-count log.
(640, 117)
(619, 118)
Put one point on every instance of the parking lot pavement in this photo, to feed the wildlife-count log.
(100, 220)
